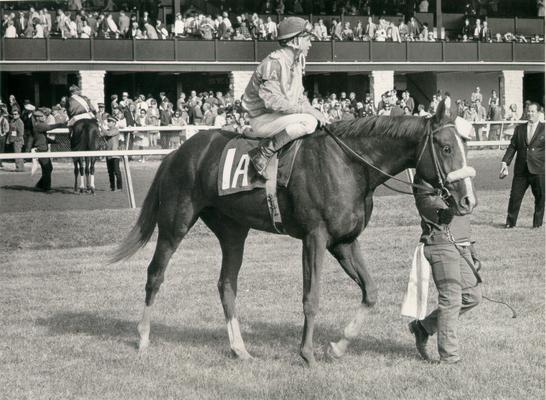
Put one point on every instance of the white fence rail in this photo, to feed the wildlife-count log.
(190, 130)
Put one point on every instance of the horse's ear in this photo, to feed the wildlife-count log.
(443, 111)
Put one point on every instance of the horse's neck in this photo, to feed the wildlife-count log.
(390, 155)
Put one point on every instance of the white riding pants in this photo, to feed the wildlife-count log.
(296, 125)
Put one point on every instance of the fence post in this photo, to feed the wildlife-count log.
(129, 180)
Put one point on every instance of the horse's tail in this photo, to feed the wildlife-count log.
(142, 231)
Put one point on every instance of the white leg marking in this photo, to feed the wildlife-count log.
(144, 329)
(92, 181)
(236, 340)
(350, 332)
(82, 181)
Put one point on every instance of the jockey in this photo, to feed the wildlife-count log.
(78, 107)
(274, 98)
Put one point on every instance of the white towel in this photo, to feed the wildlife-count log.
(35, 164)
(415, 300)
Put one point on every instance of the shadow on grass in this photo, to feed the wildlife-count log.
(21, 188)
(61, 189)
(274, 335)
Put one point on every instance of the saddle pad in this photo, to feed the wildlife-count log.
(236, 173)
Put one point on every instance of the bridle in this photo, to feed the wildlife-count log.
(439, 190)
(439, 172)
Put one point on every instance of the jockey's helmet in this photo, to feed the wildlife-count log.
(291, 27)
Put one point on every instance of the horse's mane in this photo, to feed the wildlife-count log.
(395, 127)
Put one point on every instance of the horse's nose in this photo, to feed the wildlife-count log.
(468, 203)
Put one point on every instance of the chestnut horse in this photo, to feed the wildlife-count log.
(327, 204)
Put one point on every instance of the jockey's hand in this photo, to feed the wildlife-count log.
(503, 171)
(321, 118)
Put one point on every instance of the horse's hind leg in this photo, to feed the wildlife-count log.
(350, 258)
(232, 238)
(78, 171)
(174, 222)
(90, 174)
(90, 161)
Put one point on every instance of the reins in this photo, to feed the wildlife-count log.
(363, 160)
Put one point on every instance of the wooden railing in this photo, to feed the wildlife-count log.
(181, 50)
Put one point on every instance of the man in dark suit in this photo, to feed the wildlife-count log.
(528, 143)
(20, 23)
(40, 142)
(485, 34)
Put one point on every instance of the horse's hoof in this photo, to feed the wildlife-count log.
(82, 190)
(143, 346)
(332, 352)
(242, 355)
(309, 358)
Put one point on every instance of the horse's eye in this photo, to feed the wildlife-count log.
(446, 149)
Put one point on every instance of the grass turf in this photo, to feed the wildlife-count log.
(69, 320)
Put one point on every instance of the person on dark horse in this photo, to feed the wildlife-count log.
(84, 130)
(326, 204)
(275, 100)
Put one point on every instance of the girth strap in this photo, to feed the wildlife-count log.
(271, 194)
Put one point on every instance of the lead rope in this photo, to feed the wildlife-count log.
(478, 278)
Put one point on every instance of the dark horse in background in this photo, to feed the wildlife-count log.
(326, 205)
(83, 137)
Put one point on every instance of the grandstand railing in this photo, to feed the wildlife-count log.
(233, 51)
(191, 129)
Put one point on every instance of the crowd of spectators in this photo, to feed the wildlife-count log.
(223, 111)
(492, 8)
(225, 26)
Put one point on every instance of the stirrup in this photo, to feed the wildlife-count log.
(259, 160)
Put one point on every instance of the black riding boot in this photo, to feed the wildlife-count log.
(261, 155)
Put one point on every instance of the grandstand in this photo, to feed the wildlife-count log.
(40, 69)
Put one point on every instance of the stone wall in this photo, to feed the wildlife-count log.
(380, 82)
(92, 85)
(511, 89)
(238, 80)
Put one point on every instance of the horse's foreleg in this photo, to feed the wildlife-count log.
(232, 238)
(314, 246)
(350, 258)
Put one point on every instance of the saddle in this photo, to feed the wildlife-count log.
(236, 173)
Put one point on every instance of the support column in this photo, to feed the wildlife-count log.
(92, 85)
(511, 89)
(238, 80)
(380, 82)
